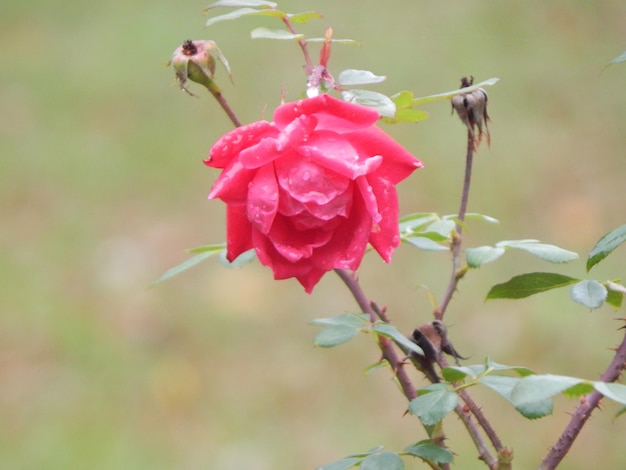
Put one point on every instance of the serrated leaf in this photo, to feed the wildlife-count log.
(428, 451)
(413, 223)
(350, 42)
(550, 253)
(591, 294)
(406, 115)
(524, 285)
(480, 255)
(232, 15)
(434, 406)
(617, 60)
(355, 320)
(383, 461)
(504, 385)
(535, 388)
(244, 258)
(613, 391)
(351, 77)
(614, 297)
(520, 370)
(458, 373)
(389, 331)
(335, 335)
(606, 245)
(343, 464)
(374, 367)
(304, 17)
(483, 217)
(373, 450)
(184, 266)
(424, 243)
(266, 33)
(240, 3)
(371, 99)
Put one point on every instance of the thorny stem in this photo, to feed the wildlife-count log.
(457, 273)
(386, 346)
(583, 412)
(302, 43)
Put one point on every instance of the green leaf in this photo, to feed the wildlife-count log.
(373, 450)
(536, 388)
(458, 373)
(413, 223)
(424, 243)
(372, 99)
(184, 266)
(606, 245)
(480, 255)
(615, 392)
(304, 17)
(617, 60)
(407, 115)
(208, 248)
(550, 253)
(343, 464)
(428, 451)
(240, 3)
(235, 14)
(451, 94)
(266, 33)
(335, 335)
(483, 217)
(504, 386)
(383, 461)
(614, 296)
(591, 294)
(355, 320)
(350, 42)
(374, 367)
(520, 370)
(351, 77)
(389, 331)
(244, 258)
(432, 407)
(529, 284)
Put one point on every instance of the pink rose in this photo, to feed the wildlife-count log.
(311, 189)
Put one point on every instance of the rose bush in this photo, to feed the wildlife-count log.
(311, 189)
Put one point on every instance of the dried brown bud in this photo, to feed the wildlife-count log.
(472, 110)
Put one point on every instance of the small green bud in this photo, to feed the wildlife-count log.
(195, 61)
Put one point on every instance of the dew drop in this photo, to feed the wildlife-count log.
(306, 176)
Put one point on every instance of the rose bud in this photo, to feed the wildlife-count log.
(194, 60)
(310, 190)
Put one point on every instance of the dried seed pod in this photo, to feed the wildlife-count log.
(471, 108)
(433, 339)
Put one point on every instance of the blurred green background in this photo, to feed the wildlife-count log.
(103, 188)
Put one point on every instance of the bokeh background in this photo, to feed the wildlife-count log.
(102, 189)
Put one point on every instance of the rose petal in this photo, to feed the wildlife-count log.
(332, 151)
(330, 112)
(229, 145)
(262, 204)
(306, 181)
(367, 193)
(397, 164)
(295, 244)
(385, 238)
(232, 184)
(239, 231)
(270, 148)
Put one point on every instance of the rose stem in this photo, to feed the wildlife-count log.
(457, 273)
(385, 344)
(583, 412)
(217, 94)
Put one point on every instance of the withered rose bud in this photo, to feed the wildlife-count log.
(472, 110)
(195, 61)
